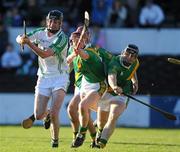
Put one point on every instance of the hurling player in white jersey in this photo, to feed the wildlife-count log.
(50, 45)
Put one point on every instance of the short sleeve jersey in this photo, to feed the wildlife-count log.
(124, 74)
(56, 64)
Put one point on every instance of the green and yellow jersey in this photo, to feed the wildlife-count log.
(95, 66)
(124, 74)
(77, 73)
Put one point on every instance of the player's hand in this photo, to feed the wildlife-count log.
(118, 90)
(76, 51)
(22, 39)
(71, 57)
(25, 40)
(135, 87)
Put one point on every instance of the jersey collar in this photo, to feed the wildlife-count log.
(60, 30)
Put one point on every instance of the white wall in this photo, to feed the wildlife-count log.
(15, 107)
(149, 41)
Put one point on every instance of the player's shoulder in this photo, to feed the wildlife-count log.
(37, 30)
(137, 63)
(62, 34)
(40, 29)
(62, 37)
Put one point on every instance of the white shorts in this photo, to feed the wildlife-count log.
(77, 91)
(105, 101)
(87, 87)
(45, 86)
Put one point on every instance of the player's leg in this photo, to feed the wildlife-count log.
(47, 120)
(91, 93)
(116, 109)
(92, 131)
(40, 110)
(88, 102)
(42, 95)
(102, 114)
(102, 117)
(73, 114)
(57, 100)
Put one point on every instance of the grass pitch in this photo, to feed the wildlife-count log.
(37, 139)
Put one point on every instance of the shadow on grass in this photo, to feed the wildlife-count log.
(152, 144)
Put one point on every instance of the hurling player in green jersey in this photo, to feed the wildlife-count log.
(91, 62)
(50, 45)
(121, 78)
(74, 102)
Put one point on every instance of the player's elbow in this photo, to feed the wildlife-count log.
(46, 54)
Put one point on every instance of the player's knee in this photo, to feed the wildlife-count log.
(113, 117)
(83, 106)
(54, 114)
(71, 109)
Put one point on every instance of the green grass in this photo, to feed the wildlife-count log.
(37, 139)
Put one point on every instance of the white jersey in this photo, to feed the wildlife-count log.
(54, 65)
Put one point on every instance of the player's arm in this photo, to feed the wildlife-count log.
(134, 80)
(112, 78)
(43, 54)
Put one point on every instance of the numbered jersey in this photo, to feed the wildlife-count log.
(54, 65)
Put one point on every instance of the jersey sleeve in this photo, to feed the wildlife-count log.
(105, 54)
(33, 35)
(59, 44)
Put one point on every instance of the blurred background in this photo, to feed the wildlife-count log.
(153, 25)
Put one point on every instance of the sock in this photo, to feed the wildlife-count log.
(104, 141)
(32, 117)
(55, 140)
(93, 136)
(82, 130)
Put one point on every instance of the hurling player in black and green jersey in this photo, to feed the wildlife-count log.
(74, 102)
(91, 62)
(122, 78)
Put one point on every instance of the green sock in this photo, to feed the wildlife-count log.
(93, 136)
(82, 130)
(104, 141)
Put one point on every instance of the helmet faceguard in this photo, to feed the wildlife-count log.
(54, 15)
(133, 49)
(129, 54)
